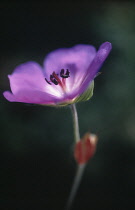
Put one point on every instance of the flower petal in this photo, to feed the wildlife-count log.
(93, 68)
(78, 58)
(99, 59)
(27, 76)
(9, 96)
(28, 80)
(30, 96)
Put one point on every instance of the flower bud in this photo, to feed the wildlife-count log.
(85, 148)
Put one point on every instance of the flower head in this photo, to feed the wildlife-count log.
(66, 77)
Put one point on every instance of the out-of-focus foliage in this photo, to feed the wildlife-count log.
(37, 165)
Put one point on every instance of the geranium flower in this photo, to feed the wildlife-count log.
(66, 76)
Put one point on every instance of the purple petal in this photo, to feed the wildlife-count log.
(28, 80)
(99, 59)
(93, 68)
(34, 97)
(77, 58)
(9, 96)
(27, 76)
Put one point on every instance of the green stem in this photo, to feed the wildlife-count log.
(75, 123)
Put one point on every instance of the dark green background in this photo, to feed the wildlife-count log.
(36, 143)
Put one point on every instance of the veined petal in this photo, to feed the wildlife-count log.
(34, 97)
(27, 76)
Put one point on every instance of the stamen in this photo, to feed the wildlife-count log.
(64, 75)
(47, 81)
(55, 76)
(54, 80)
(67, 73)
(62, 72)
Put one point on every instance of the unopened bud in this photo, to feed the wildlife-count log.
(85, 148)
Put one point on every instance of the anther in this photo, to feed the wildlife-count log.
(47, 81)
(62, 72)
(67, 72)
(53, 79)
(64, 75)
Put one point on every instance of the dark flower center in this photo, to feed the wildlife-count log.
(54, 78)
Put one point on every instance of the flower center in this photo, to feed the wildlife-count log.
(55, 79)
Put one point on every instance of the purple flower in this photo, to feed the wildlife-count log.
(66, 77)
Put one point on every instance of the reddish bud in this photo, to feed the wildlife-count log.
(85, 148)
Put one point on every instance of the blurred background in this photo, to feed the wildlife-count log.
(36, 143)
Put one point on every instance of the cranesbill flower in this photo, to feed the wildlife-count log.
(66, 77)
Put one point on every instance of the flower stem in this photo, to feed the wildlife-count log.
(75, 123)
(75, 186)
(81, 167)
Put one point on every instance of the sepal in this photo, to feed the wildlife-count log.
(87, 94)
